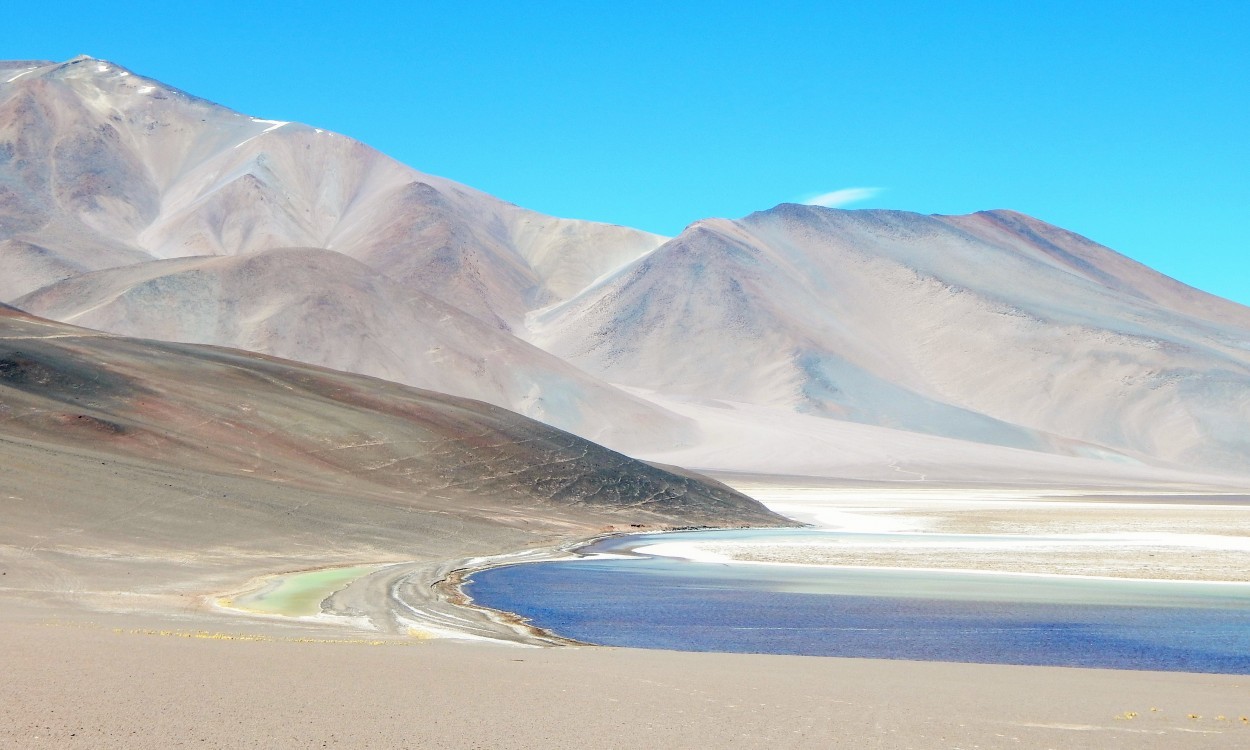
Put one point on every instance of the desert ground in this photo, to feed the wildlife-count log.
(121, 684)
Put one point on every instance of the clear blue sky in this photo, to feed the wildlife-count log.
(1128, 122)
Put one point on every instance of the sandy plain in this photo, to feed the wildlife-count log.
(92, 686)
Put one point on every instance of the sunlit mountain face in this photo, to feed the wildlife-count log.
(798, 340)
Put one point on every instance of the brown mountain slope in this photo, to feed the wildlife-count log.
(137, 473)
(322, 307)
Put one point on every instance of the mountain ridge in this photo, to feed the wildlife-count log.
(207, 181)
(992, 328)
(833, 297)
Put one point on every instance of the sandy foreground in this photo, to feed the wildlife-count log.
(114, 677)
(93, 686)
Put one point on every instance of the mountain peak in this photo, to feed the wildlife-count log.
(93, 64)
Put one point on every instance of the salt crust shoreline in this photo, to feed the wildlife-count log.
(427, 599)
(964, 561)
(694, 552)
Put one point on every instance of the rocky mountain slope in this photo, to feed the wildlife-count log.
(992, 328)
(139, 470)
(802, 340)
(103, 170)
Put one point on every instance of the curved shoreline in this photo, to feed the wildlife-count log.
(432, 597)
(447, 591)
(428, 598)
(417, 599)
(573, 549)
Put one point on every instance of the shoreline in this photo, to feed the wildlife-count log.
(696, 552)
(447, 590)
(256, 670)
(426, 599)
(423, 599)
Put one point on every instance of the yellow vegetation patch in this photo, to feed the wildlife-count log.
(216, 636)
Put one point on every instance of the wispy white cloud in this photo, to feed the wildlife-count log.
(844, 196)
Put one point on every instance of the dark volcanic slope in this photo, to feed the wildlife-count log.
(150, 469)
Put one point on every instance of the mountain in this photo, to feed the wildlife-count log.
(140, 471)
(108, 173)
(993, 328)
(119, 168)
(883, 345)
(324, 307)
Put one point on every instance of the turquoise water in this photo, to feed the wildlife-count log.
(654, 602)
(298, 594)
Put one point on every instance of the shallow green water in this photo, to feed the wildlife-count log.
(300, 594)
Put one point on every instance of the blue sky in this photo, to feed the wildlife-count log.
(1126, 122)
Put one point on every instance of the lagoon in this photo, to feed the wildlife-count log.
(298, 594)
(617, 595)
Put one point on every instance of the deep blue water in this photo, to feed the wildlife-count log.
(929, 615)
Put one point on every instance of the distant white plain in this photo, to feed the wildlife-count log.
(1157, 537)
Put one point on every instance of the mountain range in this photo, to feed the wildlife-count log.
(799, 340)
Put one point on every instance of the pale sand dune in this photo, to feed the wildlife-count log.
(760, 440)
